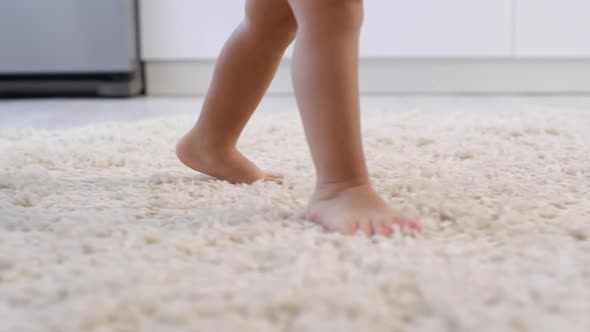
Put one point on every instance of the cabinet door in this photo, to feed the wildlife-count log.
(187, 29)
(553, 28)
(197, 29)
(435, 28)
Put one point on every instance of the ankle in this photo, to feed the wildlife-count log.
(327, 189)
(197, 142)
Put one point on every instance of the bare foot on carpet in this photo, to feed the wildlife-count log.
(347, 209)
(229, 165)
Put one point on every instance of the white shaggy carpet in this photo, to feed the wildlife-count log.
(103, 230)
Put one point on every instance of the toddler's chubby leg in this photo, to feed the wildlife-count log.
(325, 76)
(242, 75)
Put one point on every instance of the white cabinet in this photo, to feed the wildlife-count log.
(427, 45)
(196, 29)
(435, 28)
(187, 29)
(552, 28)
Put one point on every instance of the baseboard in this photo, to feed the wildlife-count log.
(63, 84)
(406, 76)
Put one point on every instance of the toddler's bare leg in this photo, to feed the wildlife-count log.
(325, 75)
(242, 75)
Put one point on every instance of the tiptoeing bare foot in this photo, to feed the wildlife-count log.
(229, 165)
(347, 209)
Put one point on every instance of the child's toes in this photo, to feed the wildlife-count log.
(403, 224)
(411, 224)
(381, 227)
(272, 176)
(366, 226)
(349, 226)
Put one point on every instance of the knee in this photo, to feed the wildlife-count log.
(279, 29)
(335, 15)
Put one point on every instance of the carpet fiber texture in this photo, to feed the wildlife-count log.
(102, 229)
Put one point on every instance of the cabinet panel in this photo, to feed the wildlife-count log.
(434, 28)
(552, 28)
(197, 29)
(187, 29)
